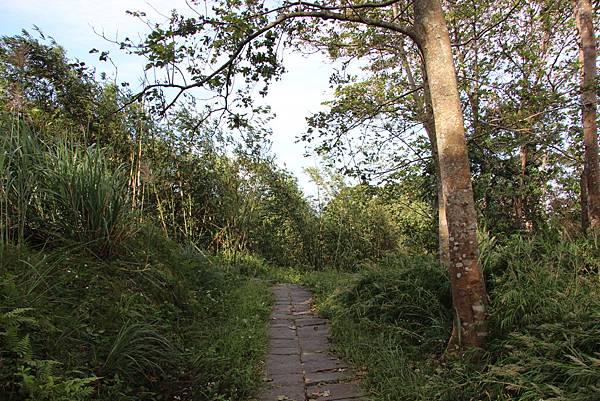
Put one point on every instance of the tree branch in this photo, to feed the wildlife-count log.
(323, 14)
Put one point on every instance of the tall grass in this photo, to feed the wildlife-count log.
(20, 158)
(87, 199)
(411, 293)
(140, 348)
(60, 193)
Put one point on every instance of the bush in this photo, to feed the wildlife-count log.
(411, 293)
(394, 319)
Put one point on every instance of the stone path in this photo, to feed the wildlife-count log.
(298, 365)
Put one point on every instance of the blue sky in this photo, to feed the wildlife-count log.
(72, 24)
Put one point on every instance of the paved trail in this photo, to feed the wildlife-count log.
(298, 366)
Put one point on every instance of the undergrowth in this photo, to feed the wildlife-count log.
(394, 319)
(95, 305)
(156, 324)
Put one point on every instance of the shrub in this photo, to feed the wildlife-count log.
(545, 310)
(544, 320)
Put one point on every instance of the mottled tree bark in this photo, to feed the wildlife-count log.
(584, 17)
(468, 288)
(443, 241)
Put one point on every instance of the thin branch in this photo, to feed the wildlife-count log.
(489, 28)
(325, 15)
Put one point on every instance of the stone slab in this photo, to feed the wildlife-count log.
(295, 393)
(315, 344)
(279, 381)
(328, 377)
(282, 364)
(284, 343)
(284, 351)
(282, 333)
(310, 321)
(282, 308)
(323, 366)
(283, 315)
(314, 331)
(335, 392)
(301, 306)
(283, 324)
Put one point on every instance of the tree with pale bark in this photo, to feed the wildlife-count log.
(240, 39)
(584, 17)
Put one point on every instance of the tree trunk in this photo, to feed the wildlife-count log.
(583, 200)
(525, 204)
(584, 17)
(443, 236)
(469, 296)
(425, 113)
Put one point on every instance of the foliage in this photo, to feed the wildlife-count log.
(411, 293)
(363, 223)
(34, 378)
(138, 330)
(38, 79)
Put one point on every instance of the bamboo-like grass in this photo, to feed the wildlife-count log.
(60, 193)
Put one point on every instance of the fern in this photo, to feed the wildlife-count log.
(40, 383)
(36, 378)
(10, 323)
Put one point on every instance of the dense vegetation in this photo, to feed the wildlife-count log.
(139, 233)
(395, 317)
(125, 245)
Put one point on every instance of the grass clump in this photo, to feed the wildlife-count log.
(86, 200)
(546, 319)
(412, 294)
(59, 193)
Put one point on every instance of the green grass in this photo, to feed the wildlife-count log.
(94, 306)
(61, 193)
(155, 324)
(393, 320)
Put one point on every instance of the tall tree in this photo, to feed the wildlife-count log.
(468, 287)
(584, 17)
